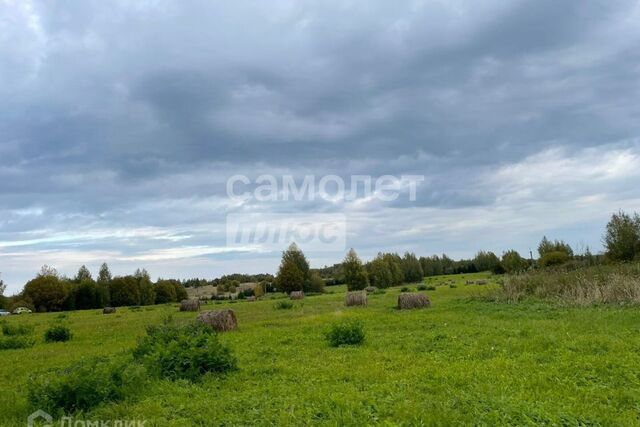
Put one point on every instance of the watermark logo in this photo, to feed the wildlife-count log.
(269, 232)
(42, 418)
(333, 188)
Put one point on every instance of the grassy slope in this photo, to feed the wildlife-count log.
(462, 361)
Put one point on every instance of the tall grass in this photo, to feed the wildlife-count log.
(603, 284)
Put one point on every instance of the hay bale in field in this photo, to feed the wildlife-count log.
(370, 289)
(219, 320)
(108, 310)
(251, 298)
(296, 295)
(469, 282)
(407, 301)
(355, 299)
(190, 305)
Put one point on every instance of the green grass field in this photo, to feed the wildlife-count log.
(464, 361)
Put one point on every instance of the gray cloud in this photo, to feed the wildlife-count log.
(126, 118)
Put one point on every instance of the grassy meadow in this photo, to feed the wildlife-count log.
(466, 360)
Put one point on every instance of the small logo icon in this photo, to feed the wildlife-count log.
(39, 415)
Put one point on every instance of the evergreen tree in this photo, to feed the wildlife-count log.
(294, 273)
(83, 274)
(411, 268)
(290, 278)
(355, 276)
(104, 276)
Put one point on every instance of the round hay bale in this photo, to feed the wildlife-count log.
(190, 305)
(355, 299)
(296, 295)
(407, 301)
(219, 320)
(370, 289)
(108, 310)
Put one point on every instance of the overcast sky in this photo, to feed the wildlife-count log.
(121, 121)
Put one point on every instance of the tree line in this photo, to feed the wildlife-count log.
(49, 291)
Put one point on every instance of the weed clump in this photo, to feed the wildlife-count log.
(345, 333)
(283, 305)
(84, 385)
(57, 333)
(183, 352)
(16, 342)
(15, 330)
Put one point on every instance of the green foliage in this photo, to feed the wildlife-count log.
(183, 352)
(406, 289)
(16, 342)
(486, 261)
(124, 291)
(283, 305)
(380, 273)
(290, 276)
(87, 294)
(165, 291)
(9, 329)
(547, 246)
(554, 258)
(57, 333)
(84, 385)
(622, 237)
(411, 268)
(316, 284)
(355, 276)
(47, 292)
(512, 262)
(421, 287)
(349, 332)
(83, 274)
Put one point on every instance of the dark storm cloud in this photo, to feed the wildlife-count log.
(121, 116)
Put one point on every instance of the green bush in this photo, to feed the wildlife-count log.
(283, 305)
(452, 286)
(13, 330)
(421, 287)
(84, 385)
(183, 352)
(57, 333)
(345, 333)
(430, 288)
(405, 289)
(553, 258)
(16, 342)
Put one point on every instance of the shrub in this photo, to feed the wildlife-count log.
(345, 333)
(283, 305)
(452, 286)
(84, 385)
(430, 288)
(553, 258)
(57, 333)
(405, 289)
(13, 330)
(421, 287)
(183, 352)
(16, 342)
